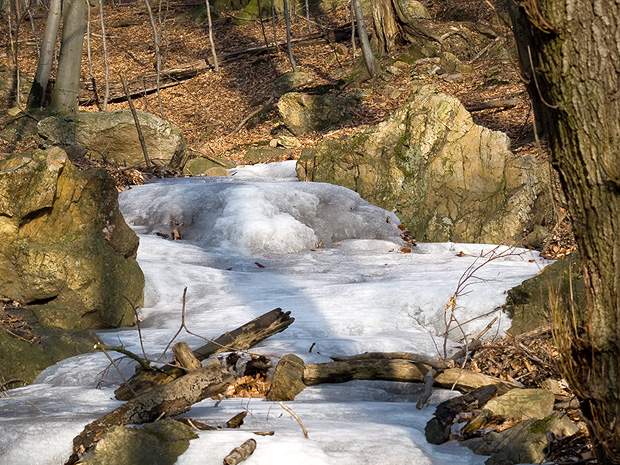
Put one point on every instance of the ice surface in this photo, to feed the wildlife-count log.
(250, 244)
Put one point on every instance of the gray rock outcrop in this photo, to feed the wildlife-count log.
(445, 177)
(113, 136)
(63, 241)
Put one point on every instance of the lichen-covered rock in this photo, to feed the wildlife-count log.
(516, 404)
(63, 241)
(308, 112)
(529, 304)
(158, 443)
(288, 82)
(526, 442)
(113, 136)
(445, 177)
(198, 166)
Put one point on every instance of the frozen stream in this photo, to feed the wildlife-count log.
(250, 243)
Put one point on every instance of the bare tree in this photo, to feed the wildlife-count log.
(66, 89)
(372, 65)
(46, 58)
(570, 58)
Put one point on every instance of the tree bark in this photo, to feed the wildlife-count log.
(369, 59)
(393, 27)
(66, 89)
(569, 52)
(46, 58)
(398, 370)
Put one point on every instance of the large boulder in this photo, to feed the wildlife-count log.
(445, 177)
(64, 242)
(113, 136)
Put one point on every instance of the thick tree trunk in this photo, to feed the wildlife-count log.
(394, 26)
(569, 51)
(65, 95)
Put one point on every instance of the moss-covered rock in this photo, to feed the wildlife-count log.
(113, 136)
(308, 112)
(527, 442)
(24, 360)
(199, 165)
(529, 305)
(446, 178)
(64, 241)
(158, 443)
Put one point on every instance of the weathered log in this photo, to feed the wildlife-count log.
(495, 103)
(146, 83)
(437, 364)
(465, 381)
(241, 453)
(399, 370)
(287, 379)
(171, 399)
(340, 372)
(241, 338)
(185, 357)
(248, 335)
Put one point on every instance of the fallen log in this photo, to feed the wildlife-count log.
(342, 371)
(399, 370)
(438, 364)
(146, 83)
(242, 338)
(171, 399)
(241, 453)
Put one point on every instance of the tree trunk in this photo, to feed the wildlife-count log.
(65, 95)
(369, 59)
(569, 51)
(386, 29)
(37, 91)
(394, 26)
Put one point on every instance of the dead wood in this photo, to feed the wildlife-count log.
(399, 370)
(185, 357)
(171, 399)
(465, 381)
(342, 371)
(147, 83)
(241, 338)
(340, 33)
(429, 380)
(438, 428)
(241, 453)
(438, 364)
(237, 420)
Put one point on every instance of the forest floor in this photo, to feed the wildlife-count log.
(211, 107)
